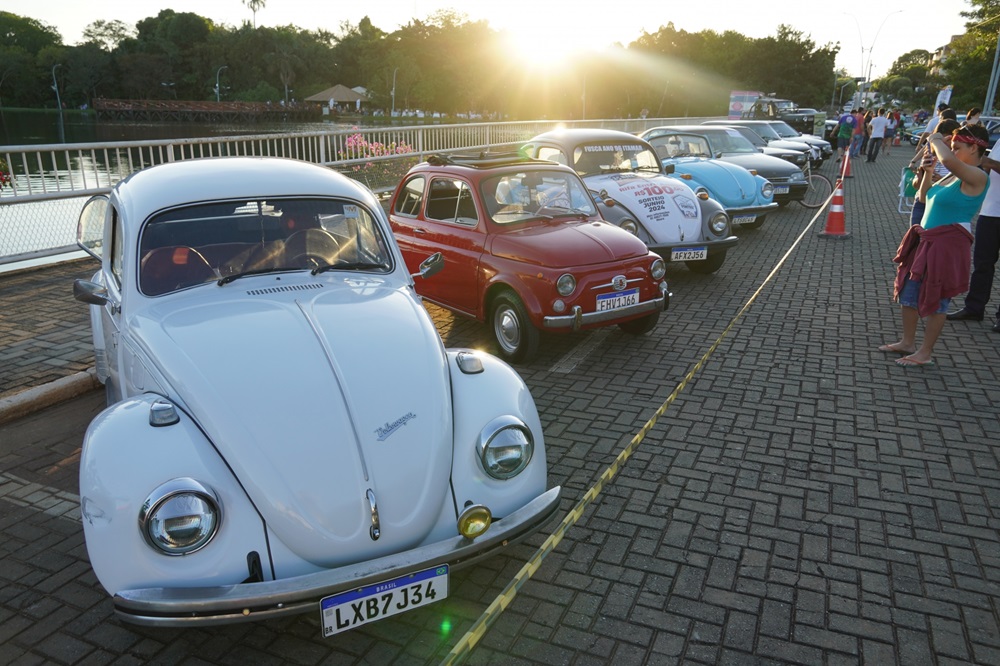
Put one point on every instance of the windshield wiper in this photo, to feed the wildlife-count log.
(350, 266)
(256, 271)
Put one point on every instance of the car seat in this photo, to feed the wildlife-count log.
(166, 269)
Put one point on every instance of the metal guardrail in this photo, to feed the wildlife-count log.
(49, 182)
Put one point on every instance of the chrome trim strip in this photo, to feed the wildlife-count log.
(247, 602)
(574, 321)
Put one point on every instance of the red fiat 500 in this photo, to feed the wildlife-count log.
(525, 249)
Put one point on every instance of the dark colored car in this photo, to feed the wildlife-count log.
(525, 250)
(729, 145)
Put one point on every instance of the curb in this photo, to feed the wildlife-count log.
(33, 399)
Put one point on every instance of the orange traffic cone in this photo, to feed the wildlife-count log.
(835, 218)
(846, 167)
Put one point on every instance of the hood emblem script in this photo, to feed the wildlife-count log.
(385, 431)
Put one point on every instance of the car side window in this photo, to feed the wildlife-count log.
(411, 197)
(552, 154)
(117, 247)
(451, 200)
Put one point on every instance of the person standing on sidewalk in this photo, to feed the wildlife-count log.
(844, 131)
(933, 256)
(985, 250)
(859, 133)
(928, 169)
(876, 128)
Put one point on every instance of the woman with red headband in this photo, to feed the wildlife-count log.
(933, 257)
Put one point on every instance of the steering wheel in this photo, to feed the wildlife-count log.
(309, 260)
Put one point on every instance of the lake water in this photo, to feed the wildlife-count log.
(31, 127)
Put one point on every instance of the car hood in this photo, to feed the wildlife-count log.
(729, 184)
(567, 243)
(666, 207)
(313, 398)
(765, 165)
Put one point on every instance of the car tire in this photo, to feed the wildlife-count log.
(515, 335)
(710, 265)
(756, 224)
(642, 325)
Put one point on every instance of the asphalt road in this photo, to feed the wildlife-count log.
(802, 500)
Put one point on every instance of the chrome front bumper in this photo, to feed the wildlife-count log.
(578, 319)
(190, 606)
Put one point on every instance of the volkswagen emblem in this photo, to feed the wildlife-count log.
(619, 282)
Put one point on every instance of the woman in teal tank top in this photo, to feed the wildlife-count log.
(937, 252)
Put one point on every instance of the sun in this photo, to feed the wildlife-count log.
(538, 52)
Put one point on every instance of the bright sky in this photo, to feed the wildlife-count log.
(872, 34)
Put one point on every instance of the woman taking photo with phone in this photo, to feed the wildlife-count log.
(933, 256)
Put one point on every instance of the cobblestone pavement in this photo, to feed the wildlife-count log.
(803, 500)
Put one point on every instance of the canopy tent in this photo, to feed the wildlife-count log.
(340, 94)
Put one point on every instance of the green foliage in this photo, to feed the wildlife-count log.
(449, 64)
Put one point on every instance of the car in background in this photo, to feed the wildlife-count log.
(789, 133)
(287, 433)
(799, 158)
(725, 143)
(632, 191)
(746, 196)
(775, 140)
(526, 250)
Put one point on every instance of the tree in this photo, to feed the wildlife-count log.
(255, 6)
(107, 34)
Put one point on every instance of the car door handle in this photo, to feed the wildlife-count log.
(419, 230)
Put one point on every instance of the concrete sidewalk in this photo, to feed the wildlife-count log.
(803, 501)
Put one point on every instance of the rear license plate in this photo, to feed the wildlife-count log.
(744, 219)
(618, 300)
(689, 254)
(781, 189)
(347, 610)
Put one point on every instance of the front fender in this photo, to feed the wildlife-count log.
(477, 400)
(123, 460)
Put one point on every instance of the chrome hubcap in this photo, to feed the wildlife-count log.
(508, 330)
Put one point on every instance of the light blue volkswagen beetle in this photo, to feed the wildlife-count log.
(746, 196)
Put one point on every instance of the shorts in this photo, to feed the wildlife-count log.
(890, 133)
(910, 296)
(843, 142)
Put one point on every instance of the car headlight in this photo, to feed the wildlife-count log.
(719, 222)
(566, 284)
(798, 176)
(767, 190)
(180, 517)
(630, 226)
(658, 268)
(505, 447)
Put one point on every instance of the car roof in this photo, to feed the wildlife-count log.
(582, 135)
(487, 160)
(220, 178)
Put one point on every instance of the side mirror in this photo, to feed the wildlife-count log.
(668, 168)
(90, 292)
(430, 266)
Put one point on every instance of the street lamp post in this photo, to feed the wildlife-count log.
(392, 113)
(217, 97)
(866, 67)
(55, 86)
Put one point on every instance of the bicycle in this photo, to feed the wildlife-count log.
(818, 188)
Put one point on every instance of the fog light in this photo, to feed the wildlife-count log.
(474, 521)
(559, 306)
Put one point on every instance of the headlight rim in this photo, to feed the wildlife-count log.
(561, 289)
(715, 225)
(172, 489)
(489, 434)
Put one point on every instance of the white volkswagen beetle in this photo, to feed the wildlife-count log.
(286, 431)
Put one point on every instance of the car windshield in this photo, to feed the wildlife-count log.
(751, 136)
(765, 130)
(729, 142)
(222, 241)
(592, 158)
(784, 130)
(518, 196)
(670, 146)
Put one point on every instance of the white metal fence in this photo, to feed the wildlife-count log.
(49, 183)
